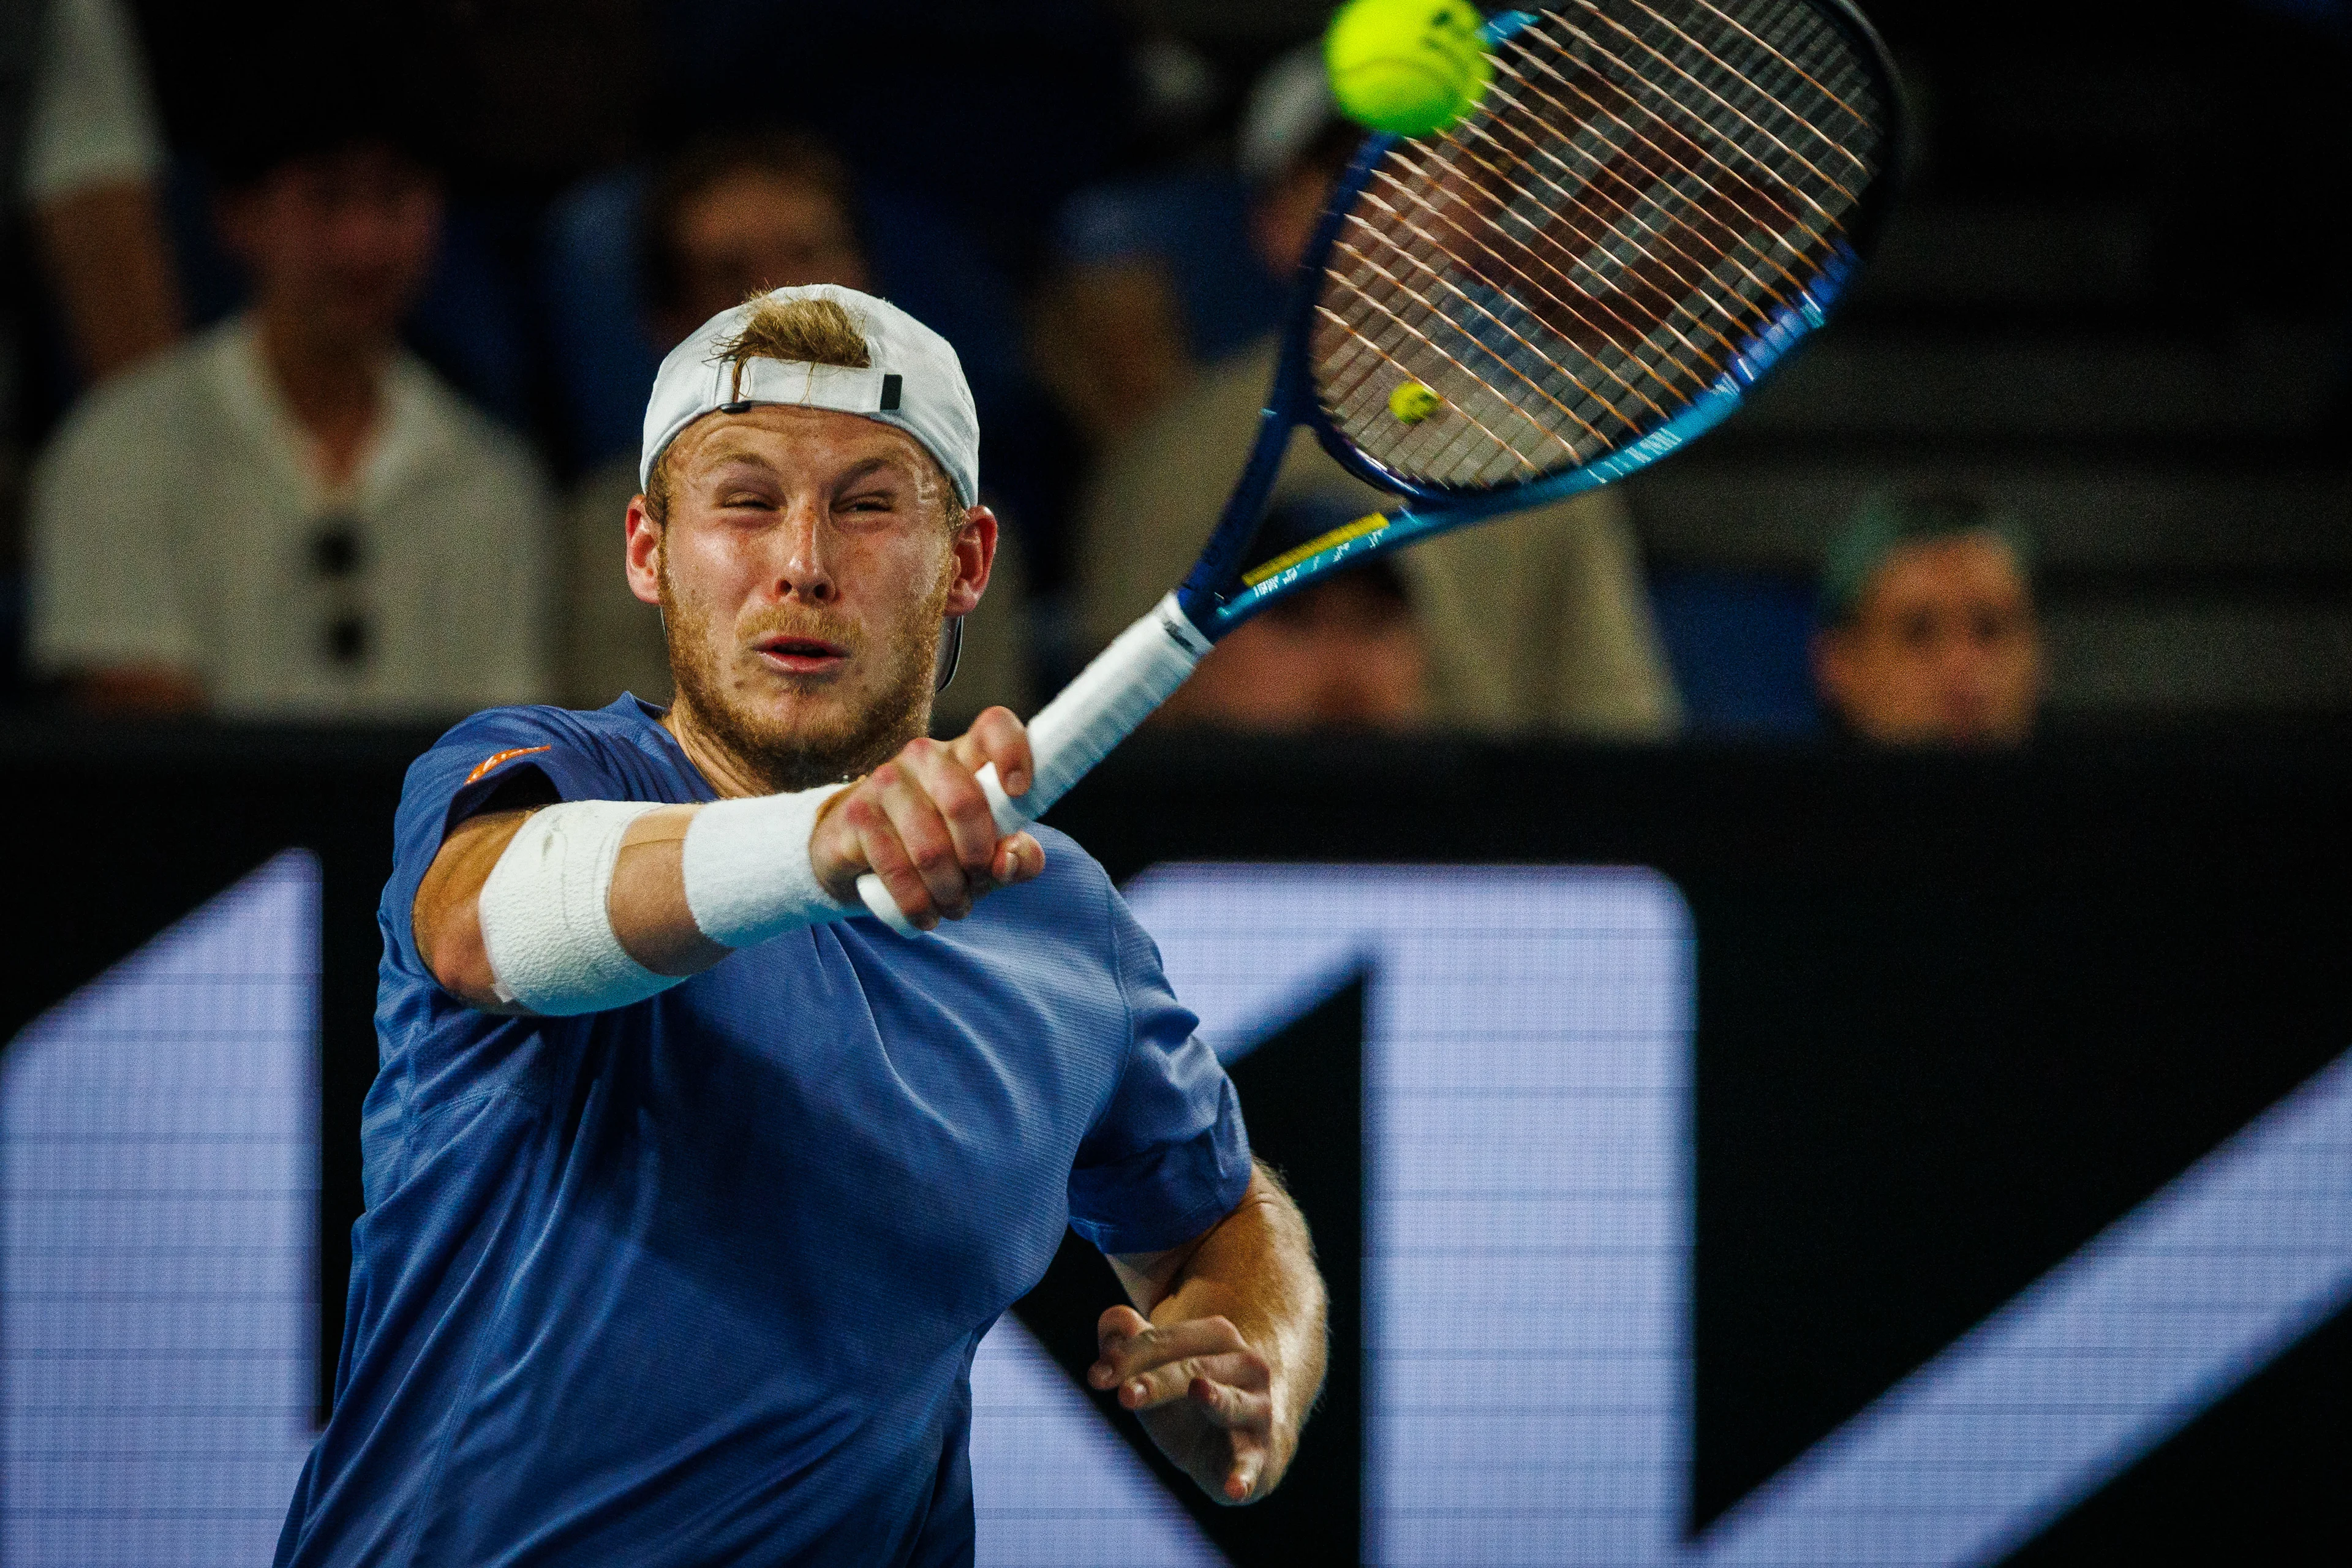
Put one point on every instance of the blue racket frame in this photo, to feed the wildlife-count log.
(1213, 597)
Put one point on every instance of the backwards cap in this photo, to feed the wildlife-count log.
(914, 382)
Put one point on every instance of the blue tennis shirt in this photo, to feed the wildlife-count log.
(698, 1281)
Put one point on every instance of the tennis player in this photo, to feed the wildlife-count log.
(690, 1187)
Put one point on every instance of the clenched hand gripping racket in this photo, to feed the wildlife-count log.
(1653, 203)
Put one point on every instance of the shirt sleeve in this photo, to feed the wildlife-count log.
(529, 752)
(1168, 1156)
(91, 121)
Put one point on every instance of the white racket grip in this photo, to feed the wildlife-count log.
(1141, 670)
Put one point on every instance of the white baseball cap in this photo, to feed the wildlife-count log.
(914, 382)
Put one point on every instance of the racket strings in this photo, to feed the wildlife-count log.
(1646, 185)
(1422, 341)
(1669, 257)
(1668, 254)
(1532, 261)
(1525, 262)
(1766, 96)
(1819, 54)
(1642, 153)
(1441, 280)
(1342, 389)
(1347, 383)
(1732, 194)
(1618, 196)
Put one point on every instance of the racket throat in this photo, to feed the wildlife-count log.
(1212, 581)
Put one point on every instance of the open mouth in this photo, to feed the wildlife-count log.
(801, 656)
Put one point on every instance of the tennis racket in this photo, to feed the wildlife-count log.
(1654, 202)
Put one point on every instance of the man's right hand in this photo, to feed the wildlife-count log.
(921, 823)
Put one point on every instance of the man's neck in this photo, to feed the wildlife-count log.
(732, 775)
(727, 772)
(333, 390)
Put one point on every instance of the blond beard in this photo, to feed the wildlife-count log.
(783, 756)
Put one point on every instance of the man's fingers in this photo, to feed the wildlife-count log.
(1203, 1365)
(1112, 1331)
(878, 847)
(924, 839)
(1018, 858)
(1118, 1323)
(1243, 1371)
(1231, 1405)
(962, 807)
(1132, 1347)
(928, 799)
(1249, 1465)
(997, 736)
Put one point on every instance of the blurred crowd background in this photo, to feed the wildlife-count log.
(327, 331)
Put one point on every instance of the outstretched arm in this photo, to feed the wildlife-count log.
(920, 821)
(1225, 1358)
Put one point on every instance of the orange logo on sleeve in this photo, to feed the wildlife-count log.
(499, 759)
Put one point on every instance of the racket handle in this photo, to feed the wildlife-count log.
(1081, 726)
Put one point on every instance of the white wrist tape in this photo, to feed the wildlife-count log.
(747, 869)
(544, 922)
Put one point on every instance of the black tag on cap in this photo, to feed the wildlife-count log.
(889, 394)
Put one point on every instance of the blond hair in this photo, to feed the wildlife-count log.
(812, 330)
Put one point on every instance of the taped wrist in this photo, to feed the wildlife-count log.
(747, 869)
(545, 924)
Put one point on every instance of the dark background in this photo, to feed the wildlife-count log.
(2115, 299)
(1953, 1016)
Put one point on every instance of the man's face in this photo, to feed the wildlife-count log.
(1942, 650)
(752, 231)
(804, 572)
(338, 244)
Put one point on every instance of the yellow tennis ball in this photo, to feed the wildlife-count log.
(1412, 403)
(1411, 67)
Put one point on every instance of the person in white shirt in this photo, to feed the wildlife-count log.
(289, 516)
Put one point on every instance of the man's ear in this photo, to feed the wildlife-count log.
(642, 551)
(974, 548)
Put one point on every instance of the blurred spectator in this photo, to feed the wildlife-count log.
(1108, 342)
(729, 218)
(77, 131)
(1054, 74)
(1928, 630)
(289, 515)
(90, 162)
(1344, 653)
(1532, 624)
(733, 218)
(1159, 274)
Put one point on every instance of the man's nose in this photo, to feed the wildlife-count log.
(803, 569)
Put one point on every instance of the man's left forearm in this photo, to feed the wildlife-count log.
(1258, 1270)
